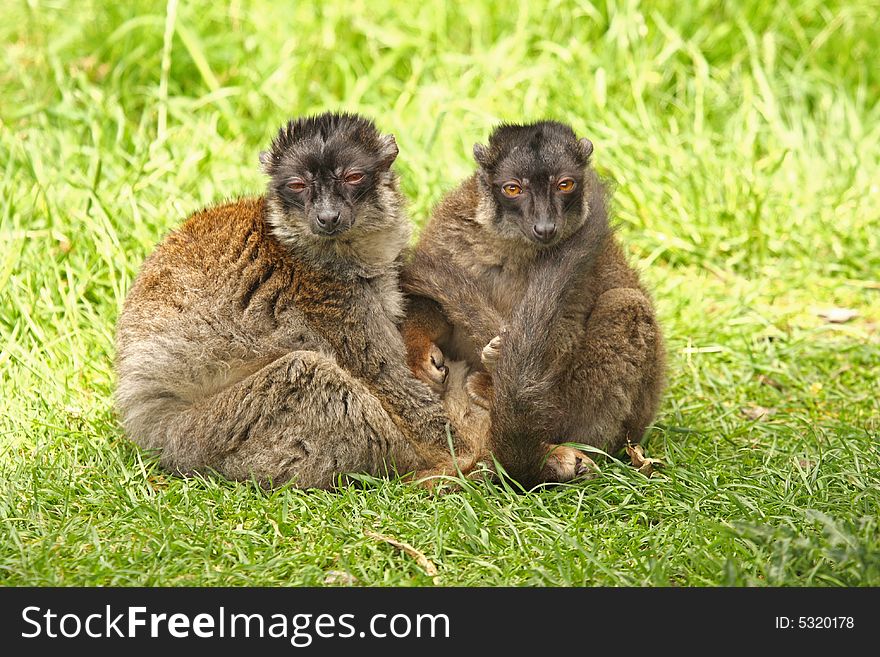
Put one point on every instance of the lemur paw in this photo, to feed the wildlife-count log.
(432, 369)
(491, 353)
(479, 389)
(566, 463)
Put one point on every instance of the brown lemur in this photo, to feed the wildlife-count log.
(519, 275)
(260, 339)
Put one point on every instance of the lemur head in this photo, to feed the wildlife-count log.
(330, 182)
(533, 179)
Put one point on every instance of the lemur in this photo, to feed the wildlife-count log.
(519, 275)
(260, 339)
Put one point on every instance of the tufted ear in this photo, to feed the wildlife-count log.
(266, 162)
(388, 150)
(585, 146)
(481, 155)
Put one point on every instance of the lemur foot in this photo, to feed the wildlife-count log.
(566, 463)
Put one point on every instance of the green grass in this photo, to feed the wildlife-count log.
(744, 142)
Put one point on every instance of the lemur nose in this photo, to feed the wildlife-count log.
(544, 232)
(328, 219)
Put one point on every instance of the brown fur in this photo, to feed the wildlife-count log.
(242, 349)
(581, 353)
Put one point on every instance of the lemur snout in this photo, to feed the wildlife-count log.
(544, 231)
(328, 221)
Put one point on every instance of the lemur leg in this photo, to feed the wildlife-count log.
(422, 330)
(300, 418)
(610, 385)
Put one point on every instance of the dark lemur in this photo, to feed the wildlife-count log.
(260, 338)
(519, 275)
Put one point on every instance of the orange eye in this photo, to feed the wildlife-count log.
(296, 185)
(565, 185)
(354, 178)
(511, 189)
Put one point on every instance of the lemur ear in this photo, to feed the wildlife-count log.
(481, 155)
(388, 150)
(266, 162)
(585, 146)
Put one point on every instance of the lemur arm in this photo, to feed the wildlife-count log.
(464, 304)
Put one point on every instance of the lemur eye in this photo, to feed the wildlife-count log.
(354, 178)
(296, 185)
(565, 185)
(511, 189)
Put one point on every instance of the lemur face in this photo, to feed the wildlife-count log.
(326, 171)
(535, 176)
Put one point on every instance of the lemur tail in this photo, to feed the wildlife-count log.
(523, 413)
